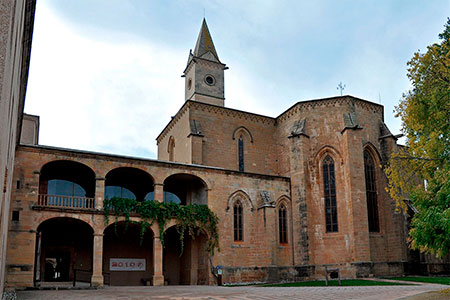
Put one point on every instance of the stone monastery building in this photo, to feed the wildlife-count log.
(294, 194)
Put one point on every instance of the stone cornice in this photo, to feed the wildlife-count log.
(172, 122)
(229, 112)
(329, 102)
(73, 153)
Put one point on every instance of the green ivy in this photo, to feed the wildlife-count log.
(193, 218)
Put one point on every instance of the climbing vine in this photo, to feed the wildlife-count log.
(193, 218)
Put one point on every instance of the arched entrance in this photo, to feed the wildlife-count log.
(127, 260)
(192, 266)
(63, 251)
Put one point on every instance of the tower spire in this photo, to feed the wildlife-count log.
(205, 43)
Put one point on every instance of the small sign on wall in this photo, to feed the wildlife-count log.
(127, 264)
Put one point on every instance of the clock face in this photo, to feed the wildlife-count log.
(210, 80)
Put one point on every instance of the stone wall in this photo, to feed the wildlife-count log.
(259, 247)
(16, 27)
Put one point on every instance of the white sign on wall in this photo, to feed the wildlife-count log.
(127, 264)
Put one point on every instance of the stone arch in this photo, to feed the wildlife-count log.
(122, 241)
(242, 130)
(185, 188)
(129, 179)
(64, 250)
(240, 195)
(51, 217)
(328, 150)
(49, 160)
(67, 178)
(373, 152)
(283, 200)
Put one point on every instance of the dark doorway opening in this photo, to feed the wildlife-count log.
(127, 260)
(63, 247)
(189, 268)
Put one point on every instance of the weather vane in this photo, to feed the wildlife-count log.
(340, 87)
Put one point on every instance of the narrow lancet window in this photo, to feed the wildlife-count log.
(171, 147)
(371, 193)
(238, 222)
(329, 184)
(241, 153)
(282, 224)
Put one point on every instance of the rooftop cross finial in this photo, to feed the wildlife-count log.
(340, 87)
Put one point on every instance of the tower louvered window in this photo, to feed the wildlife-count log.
(371, 193)
(238, 222)
(282, 224)
(329, 184)
(241, 153)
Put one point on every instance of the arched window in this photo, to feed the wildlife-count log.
(238, 221)
(113, 191)
(282, 224)
(241, 153)
(371, 192)
(329, 184)
(170, 148)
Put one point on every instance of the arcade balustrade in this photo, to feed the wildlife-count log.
(66, 201)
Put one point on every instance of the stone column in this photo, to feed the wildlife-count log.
(159, 192)
(97, 260)
(99, 192)
(158, 277)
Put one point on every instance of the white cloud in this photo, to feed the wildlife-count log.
(101, 96)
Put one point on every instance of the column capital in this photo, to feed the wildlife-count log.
(99, 178)
(157, 183)
(98, 234)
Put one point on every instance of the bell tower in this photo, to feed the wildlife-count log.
(204, 73)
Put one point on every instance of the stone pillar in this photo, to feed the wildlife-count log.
(97, 260)
(158, 277)
(159, 192)
(99, 192)
(299, 154)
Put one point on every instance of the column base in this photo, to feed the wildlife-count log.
(97, 280)
(158, 280)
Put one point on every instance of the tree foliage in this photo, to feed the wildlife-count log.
(420, 172)
(193, 218)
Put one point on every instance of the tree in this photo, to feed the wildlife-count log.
(422, 168)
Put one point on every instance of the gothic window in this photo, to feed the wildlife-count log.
(329, 184)
(282, 224)
(241, 153)
(238, 222)
(371, 192)
(171, 147)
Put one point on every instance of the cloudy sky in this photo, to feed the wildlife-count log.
(105, 74)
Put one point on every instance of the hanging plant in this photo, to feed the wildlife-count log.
(192, 218)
